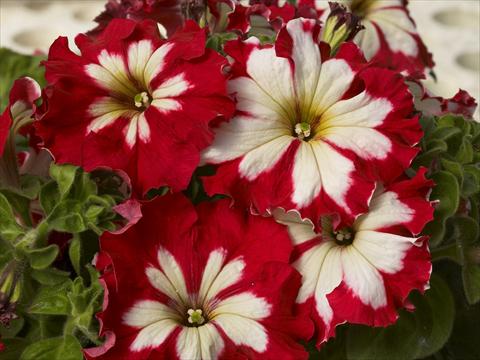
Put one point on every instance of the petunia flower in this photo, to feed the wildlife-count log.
(390, 36)
(462, 103)
(169, 13)
(310, 132)
(18, 114)
(362, 274)
(204, 283)
(134, 102)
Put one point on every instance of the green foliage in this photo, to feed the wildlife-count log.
(14, 66)
(450, 148)
(59, 348)
(423, 332)
(56, 306)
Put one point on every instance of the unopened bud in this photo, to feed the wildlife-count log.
(9, 293)
(340, 26)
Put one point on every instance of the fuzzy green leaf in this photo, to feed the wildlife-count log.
(43, 257)
(447, 191)
(9, 228)
(50, 276)
(49, 196)
(64, 175)
(414, 335)
(60, 348)
(52, 300)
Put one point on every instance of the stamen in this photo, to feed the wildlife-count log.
(195, 316)
(343, 236)
(302, 130)
(142, 99)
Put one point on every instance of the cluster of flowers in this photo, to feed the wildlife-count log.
(310, 137)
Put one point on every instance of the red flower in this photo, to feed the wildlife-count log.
(134, 102)
(462, 103)
(390, 37)
(166, 12)
(364, 273)
(205, 283)
(310, 132)
(20, 108)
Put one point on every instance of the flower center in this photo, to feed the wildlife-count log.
(343, 236)
(142, 100)
(302, 130)
(195, 317)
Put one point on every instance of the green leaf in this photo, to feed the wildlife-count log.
(465, 233)
(13, 66)
(453, 167)
(414, 335)
(471, 184)
(447, 191)
(75, 253)
(43, 257)
(52, 300)
(72, 223)
(49, 196)
(61, 348)
(19, 203)
(50, 276)
(64, 175)
(83, 187)
(9, 228)
(465, 152)
(471, 282)
(31, 186)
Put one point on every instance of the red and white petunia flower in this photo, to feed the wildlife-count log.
(204, 283)
(310, 132)
(168, 13)
(134, 102)
(260, 17)
(390, 36)
(462, 103)
(18, 118)
(20, 109)
(363, 273)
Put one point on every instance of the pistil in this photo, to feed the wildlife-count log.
(142, 100)
(302, 130)
(195, 317)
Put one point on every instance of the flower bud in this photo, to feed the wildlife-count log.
(340, 26)
(9, 293)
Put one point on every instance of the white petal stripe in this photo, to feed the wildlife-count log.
(156, 63)
(363, 278)
(385, 210)
(138, 55)
(243, 331)
(147, 312)
(153, 335)
(229, 275)
(244, 304)
(264, 157)
(329, 279)
(171, 87)
(111, 74)
(173, 272)
(306, 176)
(241, 135)
(196, 343)
(335, 171)
(384, 251)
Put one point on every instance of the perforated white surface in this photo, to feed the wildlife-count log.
(450, 28)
